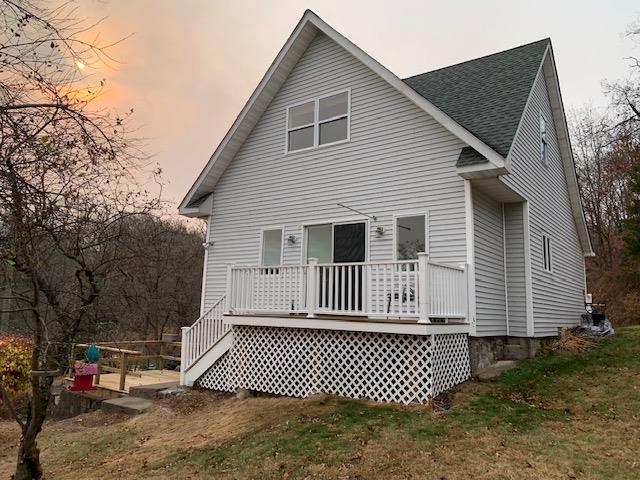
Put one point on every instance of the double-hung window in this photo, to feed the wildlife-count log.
(321, 121)
(271, 254)
(410, 236)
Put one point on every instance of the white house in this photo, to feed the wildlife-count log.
(365, 230)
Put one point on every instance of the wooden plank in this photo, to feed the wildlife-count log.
(110, 349)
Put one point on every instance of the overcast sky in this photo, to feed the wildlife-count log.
(191, 65)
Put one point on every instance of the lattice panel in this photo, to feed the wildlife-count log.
(217, 377)
(451, 361)
(273, 360)
(299, 362)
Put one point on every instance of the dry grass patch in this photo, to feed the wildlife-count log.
(561, 416)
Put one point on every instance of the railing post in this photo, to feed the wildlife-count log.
(466, 292)
(227, 300)
(311, 287)
(423, 287)
(183, 354)
(163, 352)
(123, 371)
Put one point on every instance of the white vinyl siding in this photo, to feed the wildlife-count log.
(557, 296)
(514, 255)
(398, 159)
(489, 262)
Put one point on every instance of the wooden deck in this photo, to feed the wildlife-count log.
(111, 381)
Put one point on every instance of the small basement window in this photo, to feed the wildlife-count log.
(544, 145)
(546, 253)
(321, 121)
(271, 247)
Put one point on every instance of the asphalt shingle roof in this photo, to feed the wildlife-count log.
(469, 156)
(487, 95)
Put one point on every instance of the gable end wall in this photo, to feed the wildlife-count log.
(557, 295)
(399, 159)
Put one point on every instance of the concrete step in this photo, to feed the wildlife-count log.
(150, 391)
(493, 371)
(128, 405)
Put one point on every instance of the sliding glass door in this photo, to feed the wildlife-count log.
(340, 288)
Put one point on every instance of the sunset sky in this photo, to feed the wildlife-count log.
(190, 65)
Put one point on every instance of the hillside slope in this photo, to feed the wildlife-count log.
(559, 416)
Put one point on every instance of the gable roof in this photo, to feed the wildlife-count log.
(486, 118)
(306, 30)
(486, 95)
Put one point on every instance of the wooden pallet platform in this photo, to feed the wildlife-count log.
(111, 381)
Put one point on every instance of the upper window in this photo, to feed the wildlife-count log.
(546, 253)
(271, 247)
(321, 121)
(410, 236)
(544, 146)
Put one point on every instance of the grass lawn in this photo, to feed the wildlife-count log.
(559, 416)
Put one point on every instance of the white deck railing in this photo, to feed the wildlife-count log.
(202, 335)
(267, 289)
(369, 288)
(399, 289)
(447, 291)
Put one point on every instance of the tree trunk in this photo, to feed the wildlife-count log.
(29, 467)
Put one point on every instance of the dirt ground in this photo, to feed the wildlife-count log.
(117, 446)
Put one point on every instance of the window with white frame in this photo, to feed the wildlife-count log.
(410, 236)
(544, 145)
(546, 253)
(271, 247)
(321, 121)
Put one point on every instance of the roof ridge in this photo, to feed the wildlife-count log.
(547, 39)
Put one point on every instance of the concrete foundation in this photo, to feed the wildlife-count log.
(71, 404)
(485, 351)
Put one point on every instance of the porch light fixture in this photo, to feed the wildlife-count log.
(291, 240)
(379, 231)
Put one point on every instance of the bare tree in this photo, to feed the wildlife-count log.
(158, 290)
(604, 158)
(68, 178)
(625, 93)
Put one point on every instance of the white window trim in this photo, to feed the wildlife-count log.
(394, 234)
(333, 223)
(543, 154)
(266, 229)
(317, 122)
(547, 247)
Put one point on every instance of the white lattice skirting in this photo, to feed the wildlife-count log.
(378, 366)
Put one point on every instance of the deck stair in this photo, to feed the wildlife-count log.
(203, 343)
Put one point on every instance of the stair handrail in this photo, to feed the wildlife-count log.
(203, 334)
